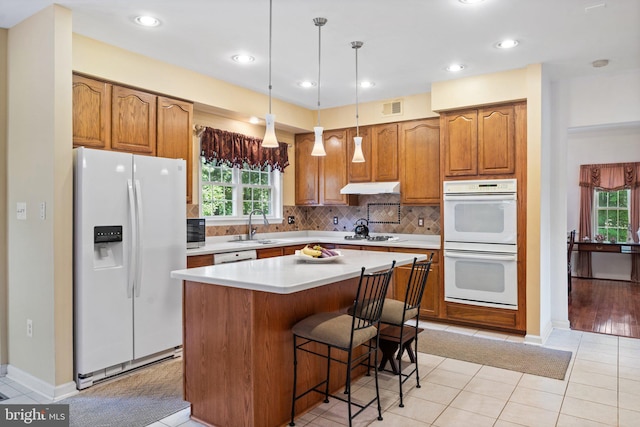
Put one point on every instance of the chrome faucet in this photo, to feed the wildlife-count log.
(252, 230)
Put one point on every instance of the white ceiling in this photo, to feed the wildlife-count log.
(407, 43)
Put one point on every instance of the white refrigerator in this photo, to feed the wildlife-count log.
(129, 234)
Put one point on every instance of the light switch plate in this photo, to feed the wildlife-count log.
(21, 210)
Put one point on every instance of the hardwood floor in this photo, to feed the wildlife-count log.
(605, 306)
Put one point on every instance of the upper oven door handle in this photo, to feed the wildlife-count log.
(481, 255)
(480, 197)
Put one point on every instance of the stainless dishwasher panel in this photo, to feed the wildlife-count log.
(237, 256)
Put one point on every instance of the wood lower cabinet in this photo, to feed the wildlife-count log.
(420, 162)
(269, 252)
(430, 305)
(174, 136)
(194, 261)
(133, 121)
(91, 113)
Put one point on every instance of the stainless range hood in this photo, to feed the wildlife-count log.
(390, 187)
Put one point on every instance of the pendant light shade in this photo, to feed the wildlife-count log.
(318, 145)
(270, 140)
(358, 155)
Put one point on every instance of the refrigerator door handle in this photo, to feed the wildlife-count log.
(139, 238)
(134, 239)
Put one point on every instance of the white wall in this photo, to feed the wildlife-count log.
(39, 170)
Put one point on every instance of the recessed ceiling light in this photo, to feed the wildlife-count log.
(307, 84)
(507, 44)
(147, 21)
(455, 67)
(367, 85)
(470, 1)
(254, 120)
(243, 59)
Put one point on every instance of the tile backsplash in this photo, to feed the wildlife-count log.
(384, 212)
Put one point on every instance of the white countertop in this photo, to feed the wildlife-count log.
(288, 274)
(222, 244)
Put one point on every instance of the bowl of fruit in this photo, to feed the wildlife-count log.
(318, 254)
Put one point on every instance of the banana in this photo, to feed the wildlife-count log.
(311, 252)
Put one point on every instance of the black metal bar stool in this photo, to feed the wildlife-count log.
(396, 313)
(346, 333)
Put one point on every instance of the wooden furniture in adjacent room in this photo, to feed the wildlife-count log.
(570, 242)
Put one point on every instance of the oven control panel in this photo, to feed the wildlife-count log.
(481, 186)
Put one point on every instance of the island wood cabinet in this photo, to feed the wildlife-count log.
(320, 179)
(420, 162)
(113, 117)
(479, 142)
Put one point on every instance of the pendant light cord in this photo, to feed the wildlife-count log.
(319, 65)
(356, 46)
(270, 26)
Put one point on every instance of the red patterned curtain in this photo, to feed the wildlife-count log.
(236, 150)
(611, 176)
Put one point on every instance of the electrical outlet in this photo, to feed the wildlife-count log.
(29, 328)
(291, 220)
(420, 222)
(335, 220)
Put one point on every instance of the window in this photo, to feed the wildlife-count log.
(229, 193)
(612, 214)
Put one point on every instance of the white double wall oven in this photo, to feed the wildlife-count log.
(480, 242)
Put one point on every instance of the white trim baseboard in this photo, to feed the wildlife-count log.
(3, 370)
(41, 387)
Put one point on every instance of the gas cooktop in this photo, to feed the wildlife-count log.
(379, 238)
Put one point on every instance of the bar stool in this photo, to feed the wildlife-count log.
(344, 332)
(396, 314)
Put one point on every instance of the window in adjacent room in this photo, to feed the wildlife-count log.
(231, 193)
(612, 214)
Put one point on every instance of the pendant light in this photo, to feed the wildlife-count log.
(270, 140)
(318, 146)
(358, 155)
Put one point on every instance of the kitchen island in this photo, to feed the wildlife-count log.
(238, 344)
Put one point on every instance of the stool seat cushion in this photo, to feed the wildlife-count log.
(333, 329)
(392, 312)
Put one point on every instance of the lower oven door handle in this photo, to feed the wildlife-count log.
(487, 256)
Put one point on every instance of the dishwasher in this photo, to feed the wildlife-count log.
(228, 257)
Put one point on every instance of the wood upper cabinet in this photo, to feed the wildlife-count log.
(307, 171)
(133, 121)
(496, 141)
(459, 141)
(320, 179)
(91, 113)
(174, 138)
(333, 170)
(359, 172)
(420, 162)
(479, 142)
(384, 157)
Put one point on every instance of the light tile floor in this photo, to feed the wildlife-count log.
(602, 388)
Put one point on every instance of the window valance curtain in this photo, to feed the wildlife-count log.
(611, 177)
(236, 150)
